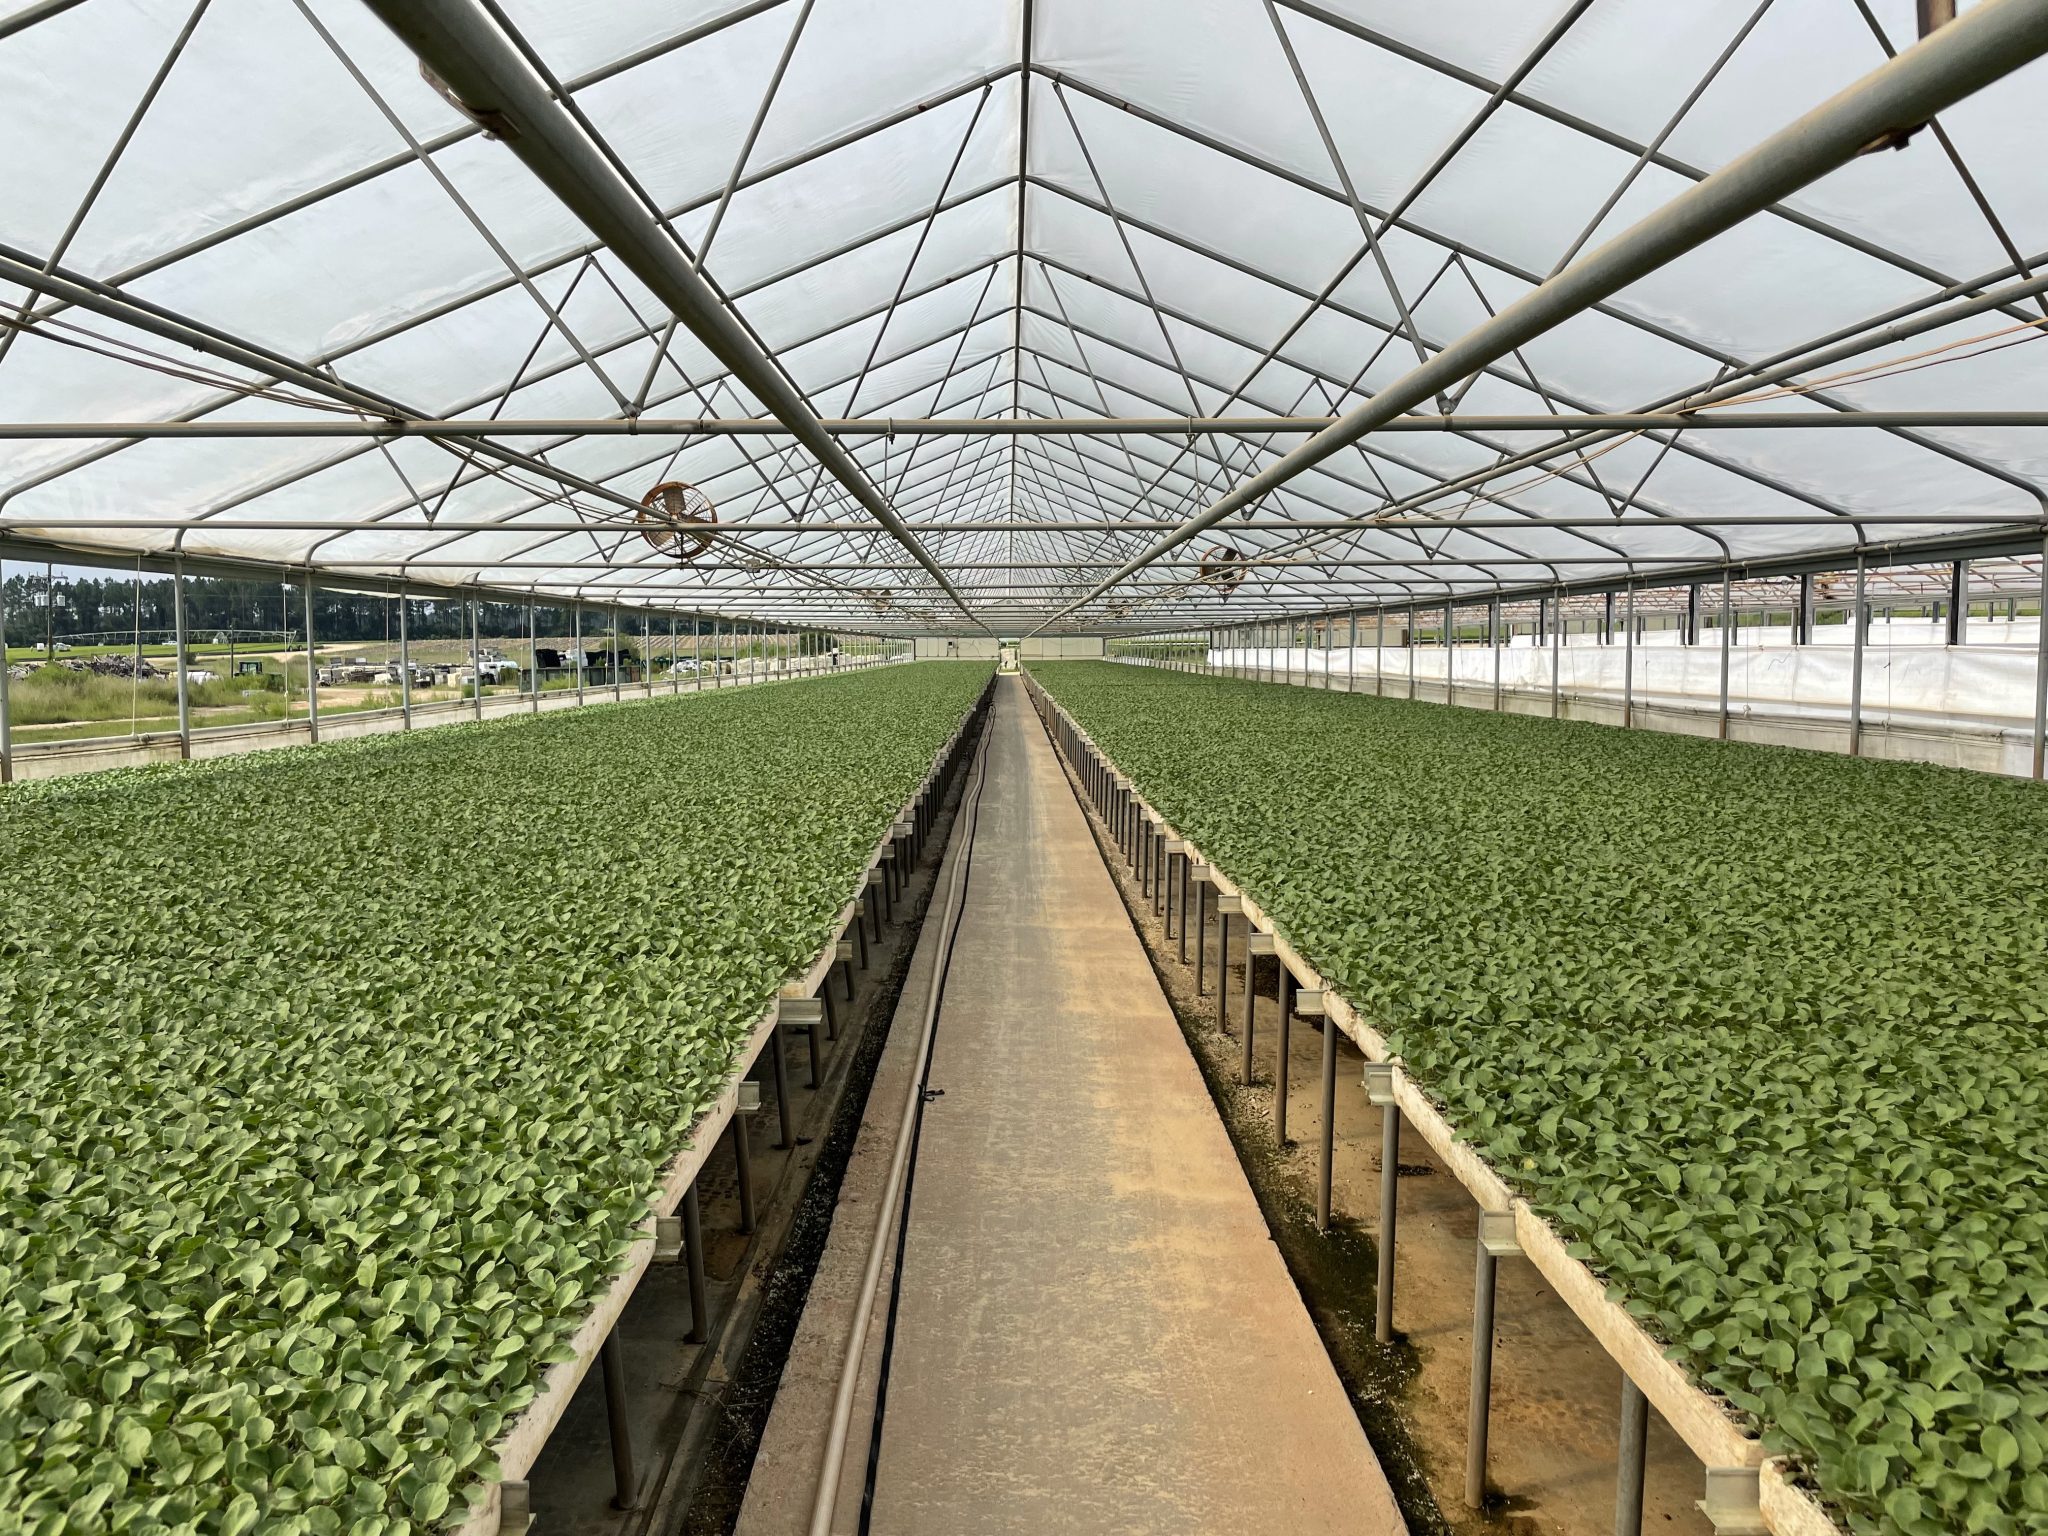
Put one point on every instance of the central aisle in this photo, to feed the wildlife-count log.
(1097, 1333)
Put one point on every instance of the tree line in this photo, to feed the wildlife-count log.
(43, 606)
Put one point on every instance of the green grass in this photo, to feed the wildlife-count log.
(1764, 1032)
(335, 1081)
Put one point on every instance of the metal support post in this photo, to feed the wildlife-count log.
(1493, 637)
(1186, 858)
(2041, 670)
(178, 659)
(1727, 646)
(1222, 962)
(1351, 659)
(743, 1164)
(618, 690)
(6, 723)
(1692, 614)
(1379, 640)
(1379, 1092)
(1802, 610)
(1557, 660)
(404, 662)
(533, 652)
(1202, 908)
(1958, 602)
(476, 658)
(1607, 618)
(1630, 1459)
(312, 670)
(1255, 944)
(625, 1484)
(1482, 1371)
(697, 648)
(1628, 662)
(1327, 623)
(693, 1265)
(1856, 643)
(783, 1118)
(1408, 640)
(1283, 991)
(578, 642)
(1314, 1003)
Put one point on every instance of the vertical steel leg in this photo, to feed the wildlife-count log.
(1223, 971)
(693, 1265)
(1161, 865)
(1185, 860)
(625, 1483)
(781, 1092)
(1390, 1211)
(743, 1164)
(1284, 991)
(1329, 1124)
(1482, 1377)
(811, 1039)
(1201, 932)
(1628, 1473)
(1251, 966)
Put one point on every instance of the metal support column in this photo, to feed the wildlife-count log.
(476, 658)
(785, 1122)
(1958, 602)
(1202, 909)
(1557, 658)
(1692, 614)
(312, 669)
(1628, 662)
(1482, 1370)
(1327, 1129)
(179, 660)
(625, 1483)
(1351, 659)
(1856, 643)
(6, 724)
(1493, 637)
(1727, 644)
(533, 652)
(1630, 1459)
(1607, 619)
(577, 641)
(1379, 1092)
(2041, 669)
(1408, 640)
(618, 688)
(1222, 963)
(743, 1164)
(404, 662)
(1802, 610)
(1283, 993)
(693, 1265)
(1379, 637)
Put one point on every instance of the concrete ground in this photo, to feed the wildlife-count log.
(1097, 1333)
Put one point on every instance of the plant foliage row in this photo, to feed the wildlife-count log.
(334, 1082)
(1765, 1032)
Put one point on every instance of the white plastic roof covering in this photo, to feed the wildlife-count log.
(1104, 207)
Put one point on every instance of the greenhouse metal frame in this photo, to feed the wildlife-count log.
(1033, 349)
